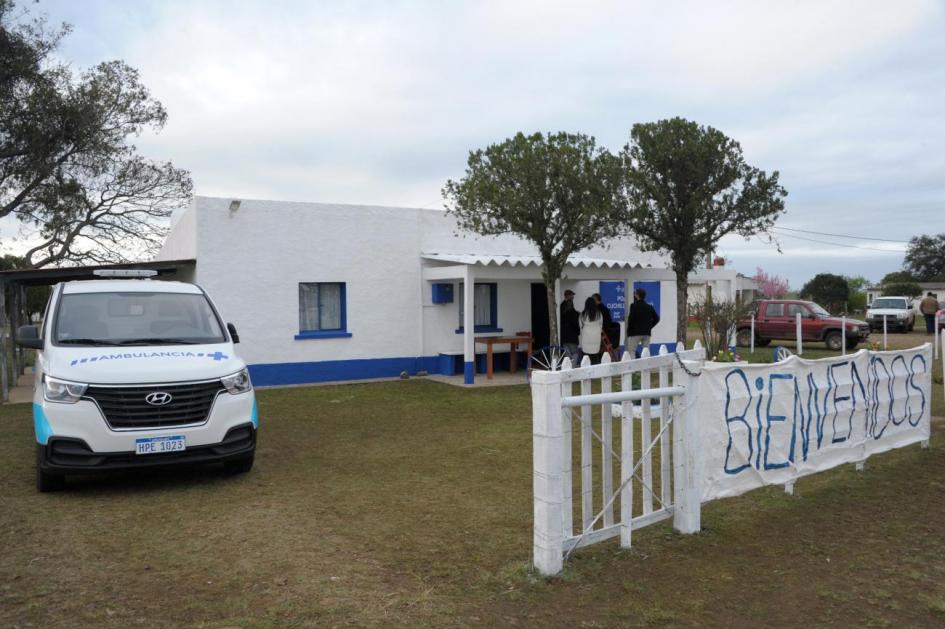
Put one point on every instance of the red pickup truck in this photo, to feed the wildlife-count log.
(775, 319)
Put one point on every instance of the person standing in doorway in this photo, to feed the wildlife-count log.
(592, 324)
(928, 307)
(570, 328)
(640, 322)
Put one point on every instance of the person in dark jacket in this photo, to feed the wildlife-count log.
(640, 322)
(570, 328)
(604, 310)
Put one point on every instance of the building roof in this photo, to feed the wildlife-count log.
(644, 261)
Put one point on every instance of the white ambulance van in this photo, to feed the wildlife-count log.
(135, 373)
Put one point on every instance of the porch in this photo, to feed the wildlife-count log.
(504, 296)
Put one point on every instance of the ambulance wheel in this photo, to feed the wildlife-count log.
(240, 466)
(46, 482)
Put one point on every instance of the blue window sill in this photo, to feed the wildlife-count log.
(481, 328)
(322, 334)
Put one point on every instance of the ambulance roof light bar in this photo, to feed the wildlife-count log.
(124, 273)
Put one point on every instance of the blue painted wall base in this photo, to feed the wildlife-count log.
(274, 374)
(469, 373)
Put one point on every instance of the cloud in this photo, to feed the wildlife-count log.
(369, 102)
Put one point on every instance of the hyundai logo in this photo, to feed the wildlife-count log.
(158, 398)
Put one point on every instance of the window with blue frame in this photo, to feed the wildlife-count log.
(485, 307)
(322, 310)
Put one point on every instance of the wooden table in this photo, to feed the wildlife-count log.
(513, 343)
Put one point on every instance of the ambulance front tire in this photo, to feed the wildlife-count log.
(46, 482)
(240, 466)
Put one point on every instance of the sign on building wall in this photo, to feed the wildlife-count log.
(652, 294)
(797, 417)
(612, 295)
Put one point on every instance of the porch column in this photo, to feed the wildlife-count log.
(627, 302)
(469, 326)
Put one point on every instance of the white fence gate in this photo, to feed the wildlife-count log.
(664, 490)
(691, 431)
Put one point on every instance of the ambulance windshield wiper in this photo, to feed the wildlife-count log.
(86, 342)
(157, 341)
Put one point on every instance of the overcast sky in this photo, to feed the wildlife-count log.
(380, 102)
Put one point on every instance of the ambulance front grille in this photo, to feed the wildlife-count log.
(127, 407)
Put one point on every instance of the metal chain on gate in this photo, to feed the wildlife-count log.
(686, 369)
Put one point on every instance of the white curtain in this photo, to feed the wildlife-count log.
(329, 303)
(482, 304)
(308, 307)
(319, 307)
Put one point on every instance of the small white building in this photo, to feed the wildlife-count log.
(325, 292)
(726, 283)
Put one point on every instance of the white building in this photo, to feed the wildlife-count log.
(324, 292)
(726, 283)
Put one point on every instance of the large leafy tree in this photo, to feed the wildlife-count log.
(858, 285)
(829, 290)
(901, 283)
(68, 171)
(925, 258)
(686, 187)
(559, 191)
(898, 277)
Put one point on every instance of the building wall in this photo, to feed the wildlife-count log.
(181, 241)
(442, 320)
(251, 261)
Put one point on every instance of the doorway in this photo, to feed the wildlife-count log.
(540, 315)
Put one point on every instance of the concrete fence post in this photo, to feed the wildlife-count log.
(800, 335)
(547, 440)
(687, 486)
(752, 350)
(843, 335)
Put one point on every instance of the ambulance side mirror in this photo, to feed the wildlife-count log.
(232, 330)
(28, 336)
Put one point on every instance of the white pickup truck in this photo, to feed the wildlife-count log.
(137, 373)
(896, 311)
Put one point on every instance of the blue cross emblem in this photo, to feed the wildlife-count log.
(217, 356)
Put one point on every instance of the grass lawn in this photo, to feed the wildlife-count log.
(410, 503)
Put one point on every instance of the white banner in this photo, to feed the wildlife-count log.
(785, 420)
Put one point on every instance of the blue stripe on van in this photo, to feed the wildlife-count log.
(41, 425)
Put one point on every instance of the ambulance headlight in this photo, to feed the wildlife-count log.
(238, 382)
(62, 391)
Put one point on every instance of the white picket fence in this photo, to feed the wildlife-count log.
(665, 489)
(661, 455)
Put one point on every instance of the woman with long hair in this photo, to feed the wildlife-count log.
(592, 324)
